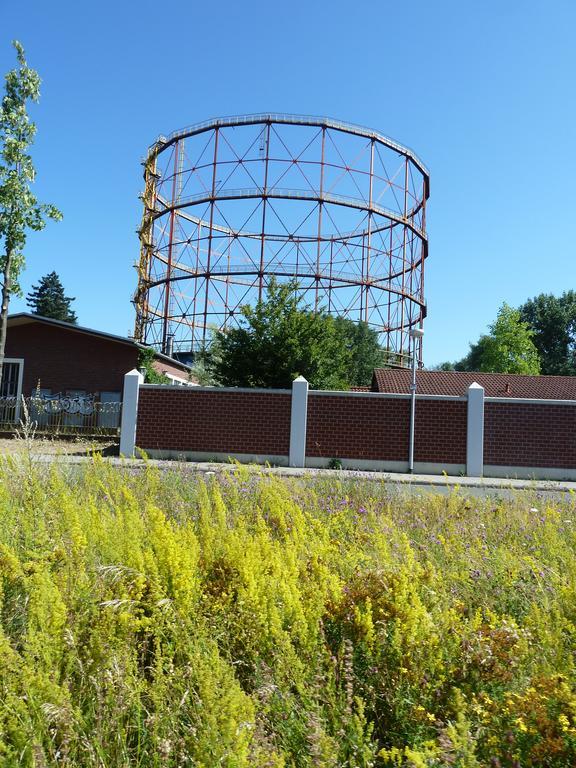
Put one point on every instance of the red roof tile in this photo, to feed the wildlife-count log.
(457, 382)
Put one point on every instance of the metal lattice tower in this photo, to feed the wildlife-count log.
(231, 202)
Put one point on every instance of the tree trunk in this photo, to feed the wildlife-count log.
(6, 290)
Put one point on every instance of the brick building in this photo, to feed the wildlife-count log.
(59, 357)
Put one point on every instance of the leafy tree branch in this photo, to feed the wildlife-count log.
(20, 211)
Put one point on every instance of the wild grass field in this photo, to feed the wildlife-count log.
(162, 619)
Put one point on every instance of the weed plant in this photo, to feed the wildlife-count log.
(151, 619)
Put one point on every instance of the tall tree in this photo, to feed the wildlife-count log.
(49, 300)
(277, 341)
(508, 348)
(19, 209)
(553, 320)
(364, 348)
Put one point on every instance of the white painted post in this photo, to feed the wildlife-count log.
(298, 417)
(475, 436)
(132, 381)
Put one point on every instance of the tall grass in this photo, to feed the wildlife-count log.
(153, 619)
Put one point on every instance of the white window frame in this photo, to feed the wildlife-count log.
(20, 361)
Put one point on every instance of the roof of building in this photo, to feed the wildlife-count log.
(457, 383)
(25, 318)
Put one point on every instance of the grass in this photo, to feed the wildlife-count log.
(159, 619)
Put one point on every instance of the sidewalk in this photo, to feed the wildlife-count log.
(415, 482)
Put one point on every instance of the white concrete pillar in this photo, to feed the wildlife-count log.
(475, 436)
(298, 417)
(132, 381)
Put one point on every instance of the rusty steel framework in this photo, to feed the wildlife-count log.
(231, 202)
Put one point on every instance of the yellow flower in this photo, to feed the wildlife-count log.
(564, 723)
(521, 725)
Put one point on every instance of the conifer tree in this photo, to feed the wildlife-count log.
(48, 299)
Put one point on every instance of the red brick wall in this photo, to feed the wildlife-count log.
(191, 419)
(376, 428)
(529, 435)
(354, 427)
(63, 359)
(441, 431)
(345, 426)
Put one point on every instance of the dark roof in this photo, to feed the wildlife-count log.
(457, 382)
(24, 318)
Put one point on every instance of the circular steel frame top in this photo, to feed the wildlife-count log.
(285, 119)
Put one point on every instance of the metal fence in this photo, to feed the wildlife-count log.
(61, 415)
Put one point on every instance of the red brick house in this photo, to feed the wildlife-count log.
(56, 356)
(456, 383)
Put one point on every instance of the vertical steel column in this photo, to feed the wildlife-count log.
(402, 329)
(422, 252)
(168, 283)
(297, 258)
(369, 233)
(390, 284)
(362, 283)
(194, 300)
(226, 315)
(320, 204)
(209, 256)
(264, 199)
(330, 278)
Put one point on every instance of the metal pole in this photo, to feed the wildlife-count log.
(412, 408)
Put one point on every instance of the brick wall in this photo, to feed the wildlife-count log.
(194, 419)
(529, 435)
(355, 426)
(345, 426)
(440, 431)
(375, 428)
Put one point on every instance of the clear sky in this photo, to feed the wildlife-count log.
(482, 91)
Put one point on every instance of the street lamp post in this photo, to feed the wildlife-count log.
(415, 334)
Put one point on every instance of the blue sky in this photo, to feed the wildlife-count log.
(482, 91)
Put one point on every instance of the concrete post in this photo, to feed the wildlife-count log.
(298, 417)
(475, 436)
(132, 381)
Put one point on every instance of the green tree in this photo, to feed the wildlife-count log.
(19, 208)
(553, 320)
(146, 358)
(364, 348)
(48, 299)
(508, 348)
(277, 341)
